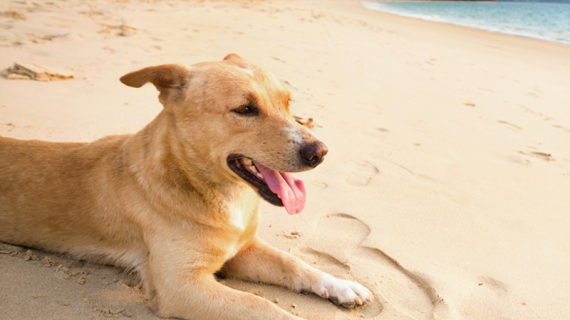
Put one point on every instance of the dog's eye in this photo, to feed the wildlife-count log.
(245, 110)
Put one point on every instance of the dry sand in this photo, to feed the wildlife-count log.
(446, 190)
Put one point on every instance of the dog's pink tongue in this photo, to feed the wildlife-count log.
(290, 189)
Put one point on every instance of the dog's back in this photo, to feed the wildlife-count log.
(43, 183)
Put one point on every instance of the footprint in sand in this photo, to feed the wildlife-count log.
(560, 127)
(361, 174)
(500, 288)
(510, 125)
(537, 154)
(319, 184)
(377, 133)
(531, 151)
(118, 30)
(335, 247)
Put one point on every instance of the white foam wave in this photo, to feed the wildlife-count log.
(513, 29)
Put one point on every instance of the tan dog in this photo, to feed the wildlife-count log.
(178, 201)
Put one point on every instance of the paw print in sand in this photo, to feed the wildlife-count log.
(335, 248)
(361, 173)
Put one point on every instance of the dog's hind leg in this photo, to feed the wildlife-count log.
(261, 262)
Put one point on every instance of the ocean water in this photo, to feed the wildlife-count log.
(548, 21)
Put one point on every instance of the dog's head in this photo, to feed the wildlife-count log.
(233, 118)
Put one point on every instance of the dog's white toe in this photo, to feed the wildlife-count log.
(344, 292)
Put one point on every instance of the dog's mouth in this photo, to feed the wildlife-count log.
(276, 187)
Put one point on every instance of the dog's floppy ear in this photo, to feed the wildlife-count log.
(164, 77)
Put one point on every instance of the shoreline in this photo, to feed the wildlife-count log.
(409, 23)
(487, 28)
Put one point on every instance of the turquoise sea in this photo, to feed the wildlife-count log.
(548, 21)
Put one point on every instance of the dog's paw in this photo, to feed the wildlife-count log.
(344, 292)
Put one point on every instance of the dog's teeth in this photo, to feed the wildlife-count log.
(259, 175)
(247, 161)
(252, 168)
(278, 196)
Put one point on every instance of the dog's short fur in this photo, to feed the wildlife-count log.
(166, 201)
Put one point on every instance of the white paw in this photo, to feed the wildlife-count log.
(344, 292)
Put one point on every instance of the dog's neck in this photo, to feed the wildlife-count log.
(163, 168)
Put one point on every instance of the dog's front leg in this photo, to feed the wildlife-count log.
(185, 287)
(261, 262)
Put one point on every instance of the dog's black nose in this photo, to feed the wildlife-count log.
(314, 153)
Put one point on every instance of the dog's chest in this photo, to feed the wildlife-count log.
(241, 221)
(236, 219)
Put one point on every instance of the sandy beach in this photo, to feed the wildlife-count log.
(445, 190)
